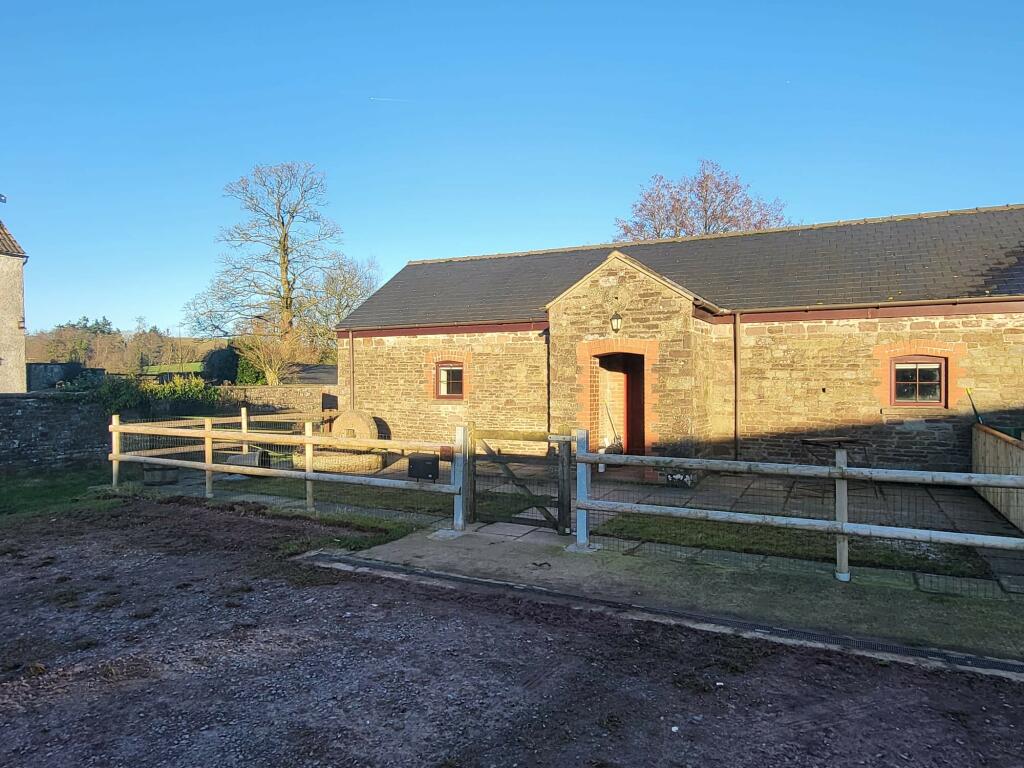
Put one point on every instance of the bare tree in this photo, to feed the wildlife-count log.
(709, 202)
(271, 352)
(284, 269)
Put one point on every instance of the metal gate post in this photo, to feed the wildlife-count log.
(582, 490)
(459, 463)
(842, 516)
(564, 487)
(469, 494)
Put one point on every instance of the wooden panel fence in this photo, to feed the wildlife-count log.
(994, 451)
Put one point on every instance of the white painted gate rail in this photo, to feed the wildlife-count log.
(209, 435)
(840, 473)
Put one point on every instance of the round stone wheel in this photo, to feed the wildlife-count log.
(357, 424)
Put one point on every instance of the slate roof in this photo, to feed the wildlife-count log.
(8, 245)
(952, 254)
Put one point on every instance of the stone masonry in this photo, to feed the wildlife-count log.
(12, 324)
(505, 384)
(50, 428)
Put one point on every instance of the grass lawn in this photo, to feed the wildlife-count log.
(943, 559)
(489, 505)
(57, 490)
(354, 531)
(66, 490)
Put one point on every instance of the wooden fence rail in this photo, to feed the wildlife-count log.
(206, 438)
(840, 473)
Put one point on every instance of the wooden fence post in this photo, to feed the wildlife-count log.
(245, 428)
(115, 450)
(459, 463)
(208, 455)
(309, 467)
(564, 487)
(842, 516)
(582, 490)
(469, 493)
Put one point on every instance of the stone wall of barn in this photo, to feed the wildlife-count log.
(505, 382)
(831, 377)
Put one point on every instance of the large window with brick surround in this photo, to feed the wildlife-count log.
(448, 380)
(918, 380)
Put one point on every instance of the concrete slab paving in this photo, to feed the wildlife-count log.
(512, 530)
(775, 591)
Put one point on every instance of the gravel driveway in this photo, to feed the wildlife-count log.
(176, 635)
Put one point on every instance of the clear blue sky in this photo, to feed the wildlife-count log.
(458, 128)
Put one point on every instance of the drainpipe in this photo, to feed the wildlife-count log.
(351, 371)
(736, 385)
(547, 372)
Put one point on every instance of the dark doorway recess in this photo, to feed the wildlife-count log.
(621, 400)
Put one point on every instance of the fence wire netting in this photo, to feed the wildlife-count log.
(932, 566)
(516, 481)
(519, 482)
(254, 449)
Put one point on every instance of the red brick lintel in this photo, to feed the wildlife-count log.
(434, 330)
(868, 313)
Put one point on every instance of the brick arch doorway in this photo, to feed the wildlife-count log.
(620, 400)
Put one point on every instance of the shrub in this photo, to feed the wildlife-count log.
(117, 394)
(182, 395)
(249, 373)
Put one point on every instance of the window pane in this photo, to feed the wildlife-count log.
(928, 372)
(906, 392)
(455, 381)
(906, 372)
(449, 381)
(928, 392)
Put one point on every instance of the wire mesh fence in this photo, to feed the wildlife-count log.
(253, 449)
(517, 483)
(521, 483)
(932, 566)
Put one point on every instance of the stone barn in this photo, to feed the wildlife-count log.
(738, 344)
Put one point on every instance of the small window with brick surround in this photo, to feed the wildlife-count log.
(448, 381)
(918, 380)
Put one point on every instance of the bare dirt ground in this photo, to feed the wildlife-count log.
(175, 635)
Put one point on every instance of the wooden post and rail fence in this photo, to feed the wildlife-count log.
(209, 437)
(215, 434)
(1006, 488)
(840, 473)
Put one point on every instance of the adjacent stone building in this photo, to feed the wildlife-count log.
(12, 313)
(740, 344)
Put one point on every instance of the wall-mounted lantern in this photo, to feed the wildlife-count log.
(616, 322)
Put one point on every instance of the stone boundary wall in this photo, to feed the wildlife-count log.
(49, 428)
(307, 398)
